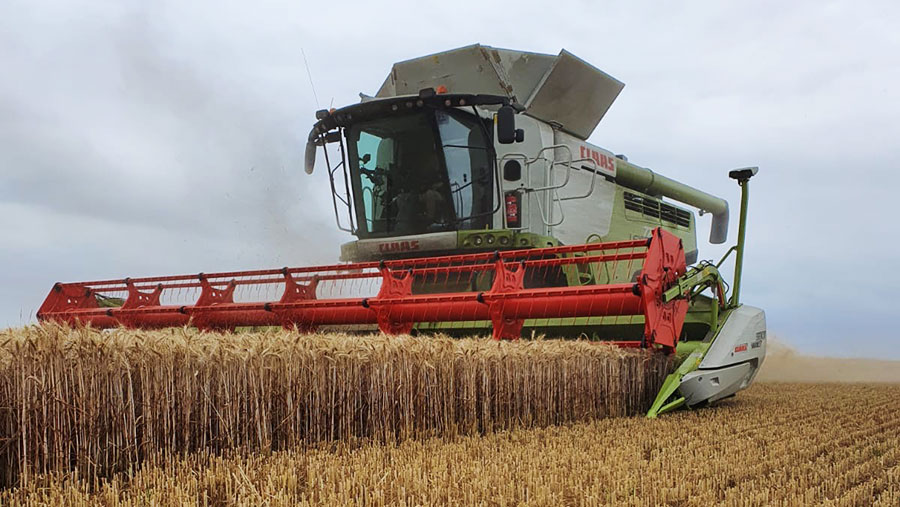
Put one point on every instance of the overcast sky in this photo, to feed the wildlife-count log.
(142, 138)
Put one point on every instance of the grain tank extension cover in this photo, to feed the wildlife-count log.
(563, 89)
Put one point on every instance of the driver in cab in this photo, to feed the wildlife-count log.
(421, 204)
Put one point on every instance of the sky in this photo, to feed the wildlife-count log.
(148, 138)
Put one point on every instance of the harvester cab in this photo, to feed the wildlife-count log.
(478, 205)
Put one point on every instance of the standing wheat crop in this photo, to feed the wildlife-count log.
(101, 402)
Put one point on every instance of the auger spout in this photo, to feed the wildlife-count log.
(644, 180)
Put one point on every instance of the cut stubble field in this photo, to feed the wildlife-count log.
(775, 444)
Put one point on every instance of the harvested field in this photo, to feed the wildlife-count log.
(775, 444)
(98, 404)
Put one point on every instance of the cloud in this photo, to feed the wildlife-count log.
(144, 138)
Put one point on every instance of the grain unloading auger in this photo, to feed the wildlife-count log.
(478, 206)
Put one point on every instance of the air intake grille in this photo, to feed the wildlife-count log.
(653, 208)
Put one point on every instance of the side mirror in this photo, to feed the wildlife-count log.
(506, 125)
(507, 133)
(310, 158)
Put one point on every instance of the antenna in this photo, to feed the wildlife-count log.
(308, 73)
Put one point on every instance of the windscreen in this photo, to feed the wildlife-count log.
(469, 168)
(419, 173)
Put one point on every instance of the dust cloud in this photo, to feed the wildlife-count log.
(784, 364)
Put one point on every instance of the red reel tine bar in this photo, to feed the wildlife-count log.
(397, 294)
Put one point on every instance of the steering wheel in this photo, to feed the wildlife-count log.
(376, 176)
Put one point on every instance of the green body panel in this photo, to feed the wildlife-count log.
(493, 239)
(629, 224)
(482, 240)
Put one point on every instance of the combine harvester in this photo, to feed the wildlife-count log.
(479, 206)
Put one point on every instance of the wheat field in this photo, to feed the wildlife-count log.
(543, 438)
(97, 403)
(775, 444)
